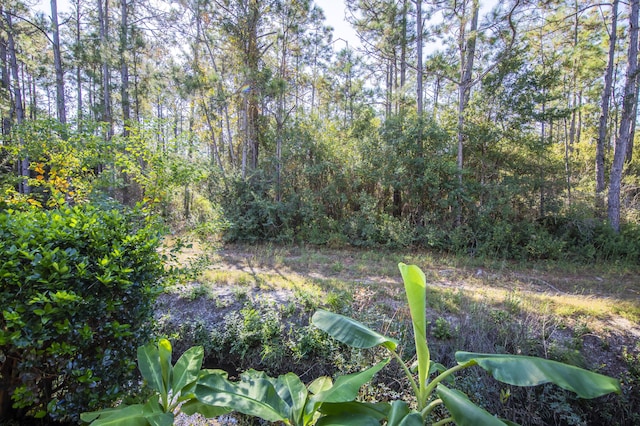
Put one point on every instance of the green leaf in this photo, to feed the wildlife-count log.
(294, 394)
(209, 411)
(530, 371)
(160, 419)
(348, 420)
(401, 415)
(415, 285)
(346, 387)
(187, 368)
(149, 365)
(320, 384)
(350, 331)
(255, 397)
(465, 412)
(154, 414)
(164, 351)
(377, 410)
(130, 415)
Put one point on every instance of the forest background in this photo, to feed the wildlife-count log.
(512, 136)
(502, 132)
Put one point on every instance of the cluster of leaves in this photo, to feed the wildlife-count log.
(187, 388)
(63, 163)
(77, 286)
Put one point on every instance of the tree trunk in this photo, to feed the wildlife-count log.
(403, 54)
(604, 116)
(419, 71)
(23, 163)
(57, 61)
(78, 68)
(622, 142)
(467, 55)
(252, 57)
(5, 81)
(103, 17)
(124, 67)
(634, 118)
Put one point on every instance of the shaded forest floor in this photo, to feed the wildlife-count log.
(587, 315)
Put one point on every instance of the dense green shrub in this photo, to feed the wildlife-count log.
(77, 287)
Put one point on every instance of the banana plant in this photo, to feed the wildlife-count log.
(432, 392)
(286, 399)
(187, 388)
(173, 387)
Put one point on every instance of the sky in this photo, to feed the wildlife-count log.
(334, 11)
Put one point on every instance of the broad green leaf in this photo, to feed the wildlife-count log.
(132, 415)
(149, 365)
(160, 419)
(401, 415)
(164, 351)
(187, 368)
(346, 387)
(253, 397)
(294, 393)
(530, 371)
(463, 411)
(320, 384)
(350, 331)
(252, 374)
(207, 371)
(415, 284)
(377, 410)
(190, 388)
(90, 416)
(348, 420)
(209, 411)
(154, 414)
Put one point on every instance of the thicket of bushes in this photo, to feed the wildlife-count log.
(253, 214)
(77, 286)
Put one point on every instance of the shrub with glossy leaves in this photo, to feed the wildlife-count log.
(77, 287)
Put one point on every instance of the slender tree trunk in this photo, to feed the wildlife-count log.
(567, 158)
(57, 60)
(389, 97)
(280, 116)
(467, 55)
(103, 17)
(78, 67)
(124, 67)
(420, 70)
(214, 145)
(5, 81)
(604, 116)
(634, 120)
(252, 57)
(23, 163)
(622, 142)
(403, 53)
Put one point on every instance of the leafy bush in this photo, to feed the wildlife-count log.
(77, 286)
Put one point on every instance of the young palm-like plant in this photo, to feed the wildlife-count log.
(431, 392)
